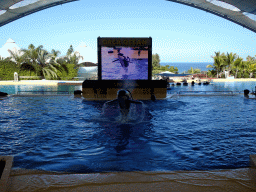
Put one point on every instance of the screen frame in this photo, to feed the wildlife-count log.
(124, 42)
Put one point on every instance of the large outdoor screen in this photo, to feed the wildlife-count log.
(124, 58)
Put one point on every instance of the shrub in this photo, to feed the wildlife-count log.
(69, 74)
(7, 69)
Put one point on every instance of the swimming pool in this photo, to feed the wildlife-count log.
(64, 133)
(18, 89)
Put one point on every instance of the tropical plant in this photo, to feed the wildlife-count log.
(244, 68)
(193, 71)
(68, 74)
(17, 57)
(47, 69)
(237, 65)
(251, 68)
(54, 55)
(163, 68)
(37, 61)
(31, 56)
(59, 63)
(7, 69)
(5, 59)
(211, 73)
(218, 63)
(229, 61)
(72, 56)
(250, 59)
(155, 61)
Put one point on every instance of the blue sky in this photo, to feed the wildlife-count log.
(179, 33)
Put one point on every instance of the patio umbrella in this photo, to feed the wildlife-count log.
(166, 73)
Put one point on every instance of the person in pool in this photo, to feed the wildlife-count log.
(124, 99)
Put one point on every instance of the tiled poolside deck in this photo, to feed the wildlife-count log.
(219, 180)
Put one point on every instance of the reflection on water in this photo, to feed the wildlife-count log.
(14, 89)
(65, 133)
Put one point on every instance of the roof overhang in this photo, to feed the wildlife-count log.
(9, 12)
(241, 12)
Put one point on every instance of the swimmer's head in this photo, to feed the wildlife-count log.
(124, 97)
(122, 93)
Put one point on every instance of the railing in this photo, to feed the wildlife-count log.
(44, 93)
(209, 93)
(29, 77)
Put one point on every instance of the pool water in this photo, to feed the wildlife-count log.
(65, 133)
(19, 89)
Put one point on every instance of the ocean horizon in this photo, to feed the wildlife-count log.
(185, 66)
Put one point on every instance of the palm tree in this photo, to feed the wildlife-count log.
(60, 63)
(243, 67)
(32, 52)
(251, 68)
(17, 57)
(211, 73)
(47, 69)
(20, 60)
(45, 63)
(229, 61)
(193, 71)
(237, 64)
(250, 59)
(31, 55)
(54, 54)
(70, 50)
(73, 57)
(218, 63)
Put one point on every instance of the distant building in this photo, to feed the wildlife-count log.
(89, 70)
(9, 45)
(87, 73)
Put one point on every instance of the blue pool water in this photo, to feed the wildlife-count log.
(18, 89)
(64, 133)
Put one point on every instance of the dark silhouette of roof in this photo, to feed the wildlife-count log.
(241, 12)
(11, 10)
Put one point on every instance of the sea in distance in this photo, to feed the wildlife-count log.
(185, 66)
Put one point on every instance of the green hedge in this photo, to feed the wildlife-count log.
(7, 69)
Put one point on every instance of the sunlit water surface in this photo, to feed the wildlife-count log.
(63, 133)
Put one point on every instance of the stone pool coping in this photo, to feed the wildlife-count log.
(233, 80)
(65, 82)
(41, 82)
(242, 179)
(6, 172)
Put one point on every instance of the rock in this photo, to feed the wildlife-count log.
(78, 92)
(3, 94)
